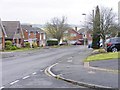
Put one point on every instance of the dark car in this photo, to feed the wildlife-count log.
(77, 43)
(63, 43)
(113, 44)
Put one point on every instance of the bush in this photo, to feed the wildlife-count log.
(8, 47)
(27, 44)
(34, 45)
(52, 42)
(8, 43)
(13, 48)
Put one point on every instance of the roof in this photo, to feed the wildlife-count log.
(33, 29)
(82, 30)
(11, 27)
(73, 31)
(2, 29)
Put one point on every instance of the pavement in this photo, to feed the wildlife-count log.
(112, 64)
(71, 69)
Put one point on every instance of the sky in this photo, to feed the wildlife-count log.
(42, 11)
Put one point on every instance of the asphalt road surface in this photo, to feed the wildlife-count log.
(15, 70)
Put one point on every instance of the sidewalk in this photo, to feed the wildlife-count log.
(72, 69)
(107, 64)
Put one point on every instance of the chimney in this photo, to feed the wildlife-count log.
(76, 28)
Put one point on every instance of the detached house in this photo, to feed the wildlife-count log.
(86, 34)
(72, 36)
(14, 32)
(2, 36)
(34, 34)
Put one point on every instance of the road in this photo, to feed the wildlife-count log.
(17, 69)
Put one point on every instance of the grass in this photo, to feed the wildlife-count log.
(21, 49)
(103, 56)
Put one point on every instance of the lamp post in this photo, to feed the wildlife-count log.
(84, 37)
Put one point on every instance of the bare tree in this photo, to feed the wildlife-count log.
(56, 27)
(107, 22)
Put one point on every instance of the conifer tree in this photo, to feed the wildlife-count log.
(96, 30)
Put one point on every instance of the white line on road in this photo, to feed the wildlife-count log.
(91, 72)
(34, 73)
(14, 82)
(25, 77)
(69, 61)
(69, 58)
(1, 88)
(41, 70)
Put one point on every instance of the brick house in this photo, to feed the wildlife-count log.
(34, 34)
(72, 36)
(2, 36)
(14, 32)
(86, 34)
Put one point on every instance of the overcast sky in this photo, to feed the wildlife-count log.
(41, 11)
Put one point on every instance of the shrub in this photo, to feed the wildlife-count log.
(52, 42)
(13, 48)
(8, 47)
(8, 43)
(27, 44)
(34, 45)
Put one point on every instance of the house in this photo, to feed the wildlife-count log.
(86, 34)
(14, 32)
(72, 36)
(2, 36)
(34, 34)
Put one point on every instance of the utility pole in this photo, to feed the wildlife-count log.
(84, 37)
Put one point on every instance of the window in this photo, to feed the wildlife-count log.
(73, 35)
(0, 40)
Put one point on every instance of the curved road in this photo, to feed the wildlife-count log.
(19, 68)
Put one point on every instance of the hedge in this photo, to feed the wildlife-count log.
(52, 42)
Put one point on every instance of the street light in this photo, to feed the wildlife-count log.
(85, 29)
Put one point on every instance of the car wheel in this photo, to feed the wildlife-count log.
(114, 49)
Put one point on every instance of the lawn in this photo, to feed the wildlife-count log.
(103, 56)
(21, 49)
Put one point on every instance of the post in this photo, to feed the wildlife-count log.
(85, 29)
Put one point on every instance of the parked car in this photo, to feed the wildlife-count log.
(101, 43)
(113, 44)
(63, 43)
(77, 43)
(90, 45)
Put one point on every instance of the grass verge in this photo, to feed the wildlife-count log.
(103, 56)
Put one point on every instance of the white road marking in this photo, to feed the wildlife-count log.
(41, 70)
(25, 77)
(14, 82)
(91, 72)
(69, 58)
(69, 61)
(1, 87)
(34, 73)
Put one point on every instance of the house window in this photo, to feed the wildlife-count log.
(0, 40)
(66, 32)
(73, 35)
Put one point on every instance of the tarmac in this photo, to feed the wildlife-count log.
(95, 75)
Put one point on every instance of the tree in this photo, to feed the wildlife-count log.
(56, 27)
(96, 30)
(108, 25)
(107, 22)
